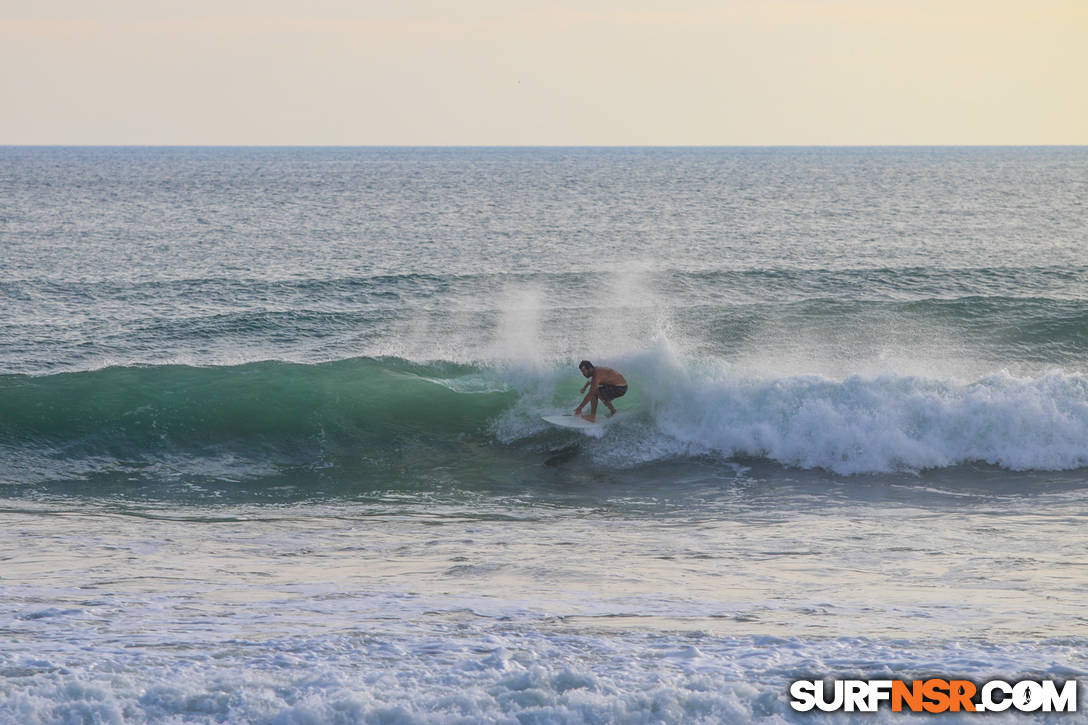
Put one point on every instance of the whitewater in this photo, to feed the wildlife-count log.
(271, 446)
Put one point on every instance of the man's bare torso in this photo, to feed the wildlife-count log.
(607, 376)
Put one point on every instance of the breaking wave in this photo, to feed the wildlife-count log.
(391, 419)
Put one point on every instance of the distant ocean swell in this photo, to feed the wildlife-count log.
(738, 286)
(366, 415)
(856, 320)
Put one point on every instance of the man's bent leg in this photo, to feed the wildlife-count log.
(607, 401)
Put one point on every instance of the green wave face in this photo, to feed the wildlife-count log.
(366, 425)
(253, 420)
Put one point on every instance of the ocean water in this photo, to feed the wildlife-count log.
(271, 448)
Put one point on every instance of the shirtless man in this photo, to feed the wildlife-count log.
(604, 384)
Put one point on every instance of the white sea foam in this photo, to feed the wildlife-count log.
(885, 423)
(871, 423)
(525, 676)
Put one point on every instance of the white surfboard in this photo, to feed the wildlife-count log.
(576, 422)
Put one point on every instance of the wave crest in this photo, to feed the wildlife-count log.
(884, 423)
(389, 420)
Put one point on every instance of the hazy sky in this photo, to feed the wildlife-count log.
(499, 72)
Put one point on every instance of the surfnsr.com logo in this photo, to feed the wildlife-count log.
(934, 695)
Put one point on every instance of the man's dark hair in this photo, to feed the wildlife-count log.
(585, 364)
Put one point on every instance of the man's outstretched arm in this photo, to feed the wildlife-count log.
(589, 396)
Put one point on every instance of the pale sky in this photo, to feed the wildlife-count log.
(504, 72)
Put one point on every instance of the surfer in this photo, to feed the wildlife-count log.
(605, 384)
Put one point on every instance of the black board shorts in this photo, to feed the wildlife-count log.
(611, 392)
